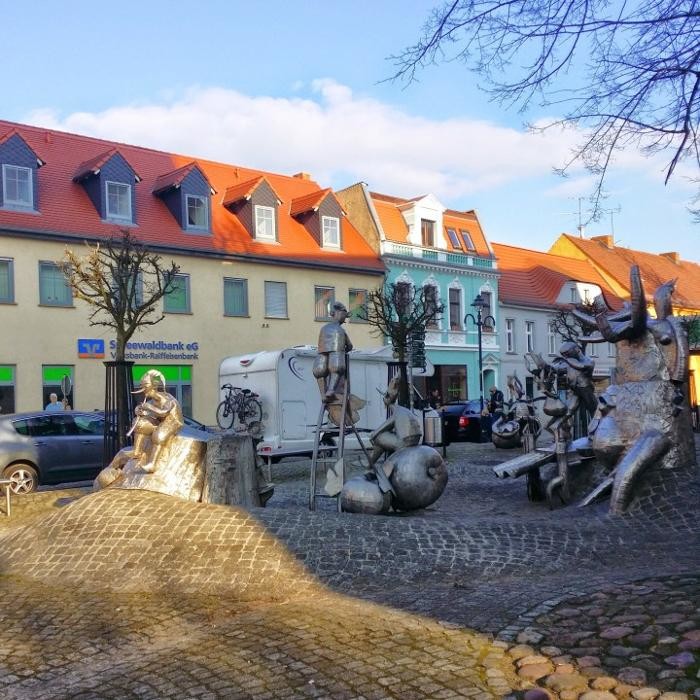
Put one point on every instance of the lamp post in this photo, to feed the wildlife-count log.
(480, 304)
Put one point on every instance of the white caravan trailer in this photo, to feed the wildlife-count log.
(290, 396)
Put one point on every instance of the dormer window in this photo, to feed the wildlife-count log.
(427, 232)
(186, 193)
(331, 231)
(452, 235)
(265, 223)
(18, 174)
(197, 212)
(256, 206)
(118, 201)
(17, 191)
(108, 181)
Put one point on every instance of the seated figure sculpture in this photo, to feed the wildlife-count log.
(158, 419)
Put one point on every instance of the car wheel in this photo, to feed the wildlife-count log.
(24, 478)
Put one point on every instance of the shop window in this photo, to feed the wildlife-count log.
(53, 380)
(177, 300)
(53, 286)
(276, 300)
(324, 298)
(7, 281)
(7, 388)
(178, 382)
(358, 306)
(235, 297)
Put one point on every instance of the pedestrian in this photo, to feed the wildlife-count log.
(54, 404)
(435, 399)
(495, 403)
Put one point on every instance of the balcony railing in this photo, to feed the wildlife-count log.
(406, 250)
(462, 338)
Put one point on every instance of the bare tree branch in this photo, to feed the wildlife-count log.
(632, 69)
(121, 281)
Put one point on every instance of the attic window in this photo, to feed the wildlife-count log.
(265, 222)
(17, 191)
(331, 231)
(452, 235)
(468, 242)
(197, 212)
(118, 201)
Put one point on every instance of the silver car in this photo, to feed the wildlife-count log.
(48, 447)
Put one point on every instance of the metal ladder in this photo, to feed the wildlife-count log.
(326, 455)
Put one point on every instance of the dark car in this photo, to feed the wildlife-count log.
(462, 421)
(49, 447)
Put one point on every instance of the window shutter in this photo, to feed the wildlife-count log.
(276, 299)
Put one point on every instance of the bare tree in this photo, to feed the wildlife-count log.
(626, 73)
(121, 280)
(398, 312)
(569, 327)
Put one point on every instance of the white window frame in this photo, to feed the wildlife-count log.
(574, 295)
(112, 215)
(264, 218)
(205, 205)
(530, 336)
(551, 339)
(17, 203)
(278, 286)
(328, 242)
(510, 335)
(612, 350)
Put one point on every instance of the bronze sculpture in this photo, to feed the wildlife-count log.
(330, 366)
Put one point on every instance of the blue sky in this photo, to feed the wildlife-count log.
(290, 86)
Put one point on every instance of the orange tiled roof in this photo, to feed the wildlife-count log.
(388, 210)
(655, 268)
(243, 190)
(534, 278)
(309, 202)
(173, 179)
(66, 210)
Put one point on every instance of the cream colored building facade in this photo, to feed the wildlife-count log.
(40, 343)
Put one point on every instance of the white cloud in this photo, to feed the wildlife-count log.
(336, 135)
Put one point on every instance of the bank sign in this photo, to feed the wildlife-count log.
(94, 348)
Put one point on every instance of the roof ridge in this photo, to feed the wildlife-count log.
(116, 144)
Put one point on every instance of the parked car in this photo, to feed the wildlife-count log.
(462, 421)
(48, 447)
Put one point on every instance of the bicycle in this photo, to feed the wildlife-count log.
(239, 403)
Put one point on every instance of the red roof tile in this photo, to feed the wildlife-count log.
(242, 190)
(66, 210)
(395, 229)
(174, 178)
(309, 202)
(536, 279)
(655, 268)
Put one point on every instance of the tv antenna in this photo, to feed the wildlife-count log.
(612, 213)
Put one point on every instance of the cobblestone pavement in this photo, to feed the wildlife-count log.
(487, 595)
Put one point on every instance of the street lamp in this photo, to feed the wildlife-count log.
(480, 304)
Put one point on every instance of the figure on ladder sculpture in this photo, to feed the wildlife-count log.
(330, 367)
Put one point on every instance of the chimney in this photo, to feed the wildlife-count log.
(302, 176)
(607, 241)
(673, 257)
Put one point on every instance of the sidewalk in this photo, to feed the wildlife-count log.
(483, 595)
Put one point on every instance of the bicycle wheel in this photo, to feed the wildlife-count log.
(252, 411)
(224, 415)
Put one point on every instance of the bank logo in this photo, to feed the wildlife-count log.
(91, 348)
